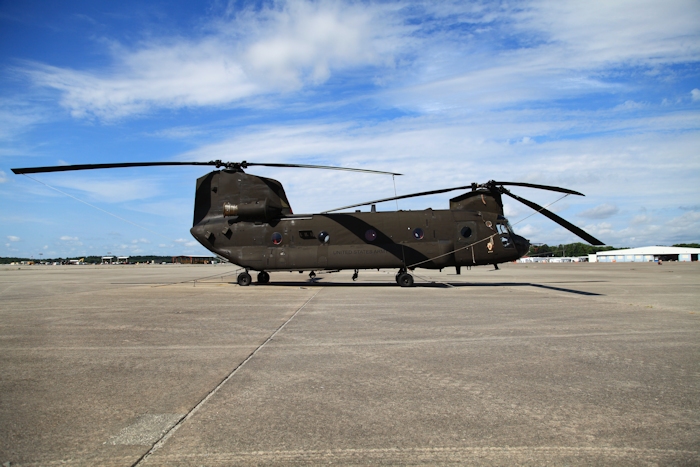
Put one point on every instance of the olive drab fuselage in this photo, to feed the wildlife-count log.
(247, 219)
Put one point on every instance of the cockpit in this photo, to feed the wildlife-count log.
(505, 232)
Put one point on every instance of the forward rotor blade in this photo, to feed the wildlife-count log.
(412, 195)
(540, 187)
(66, 168)
(218, 163)
(564, 223)
(306, 166)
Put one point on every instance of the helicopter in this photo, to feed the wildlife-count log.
(247, 219)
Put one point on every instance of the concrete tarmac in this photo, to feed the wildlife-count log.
(534, 364)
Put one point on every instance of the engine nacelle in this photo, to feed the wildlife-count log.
(257, 210)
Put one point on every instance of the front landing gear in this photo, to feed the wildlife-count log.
(404, 279)
(244, 279)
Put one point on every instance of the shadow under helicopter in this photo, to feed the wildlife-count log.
(428, 284)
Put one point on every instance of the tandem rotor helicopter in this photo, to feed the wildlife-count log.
(247, 219)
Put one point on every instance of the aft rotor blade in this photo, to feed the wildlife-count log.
(307, 166)
(539, 187)
(563, 222)
(412, 195)
(66, 168)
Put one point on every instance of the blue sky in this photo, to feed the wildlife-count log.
(601, 97)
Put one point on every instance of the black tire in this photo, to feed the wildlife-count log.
(263, 277)
(405, 280)
(244, 279)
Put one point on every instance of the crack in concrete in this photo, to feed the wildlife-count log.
(163, 439)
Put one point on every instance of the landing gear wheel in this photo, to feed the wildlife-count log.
(263, 277)
(405, 279)
(244, 279)
(398, 274)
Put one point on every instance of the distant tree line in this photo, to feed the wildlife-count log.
(570, 249)
(583, 249)
(87, 259)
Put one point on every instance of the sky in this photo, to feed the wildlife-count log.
(597, 96)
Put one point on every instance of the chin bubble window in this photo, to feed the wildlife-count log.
(276, 238)
(324, 237)
(370, 235)
(418, 233)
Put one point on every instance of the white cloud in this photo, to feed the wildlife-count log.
(278, 48)
(600, 32)
(528, 231)
(13, 238)
(630, 105)
(66, 238)
(602, 211)
(695, 95)
(3, 177)
(643, 231)
(567, 49)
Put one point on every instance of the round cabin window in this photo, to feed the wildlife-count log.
(418, 233)
(370, 235)
(466, 232)
(276, 238)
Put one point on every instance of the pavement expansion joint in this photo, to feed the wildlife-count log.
(160, 442)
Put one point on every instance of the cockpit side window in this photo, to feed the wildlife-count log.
(504, 231)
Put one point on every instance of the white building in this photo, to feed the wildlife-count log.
(646, 254)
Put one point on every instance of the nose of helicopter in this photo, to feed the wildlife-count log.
(522, 244)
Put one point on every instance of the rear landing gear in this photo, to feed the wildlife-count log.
(263, 277)
(244, 279)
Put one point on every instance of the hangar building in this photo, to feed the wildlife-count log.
(646, 254)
